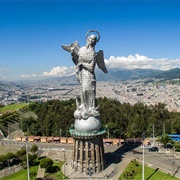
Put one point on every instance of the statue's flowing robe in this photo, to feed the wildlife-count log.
(86, 76)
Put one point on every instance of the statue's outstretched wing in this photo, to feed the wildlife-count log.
(100, 61)
(73, 49)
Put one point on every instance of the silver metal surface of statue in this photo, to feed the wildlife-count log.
(85, 58)
(88, 150)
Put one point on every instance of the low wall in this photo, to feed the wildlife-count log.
(9, 171)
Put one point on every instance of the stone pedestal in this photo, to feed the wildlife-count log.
(88, 153)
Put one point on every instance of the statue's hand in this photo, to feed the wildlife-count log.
(79, 64)
(72, 49)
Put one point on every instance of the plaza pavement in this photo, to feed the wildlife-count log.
(115, 168)
(113, 171)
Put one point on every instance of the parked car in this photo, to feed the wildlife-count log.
(169, 146)
(153, 149)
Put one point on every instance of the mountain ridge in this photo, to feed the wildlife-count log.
(112, 75)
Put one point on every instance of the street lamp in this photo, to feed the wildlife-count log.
(60, 133)
(143, 137)
(21, 126)
(27, 158)
(64, 160)
(107, 128)
(173, 159)
(8, 130)
(108, 131)
(153, 135)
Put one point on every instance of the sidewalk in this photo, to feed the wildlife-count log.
(171, 153)
(112, 172)
(177, 155)
(41, 172)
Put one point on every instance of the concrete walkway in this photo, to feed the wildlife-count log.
(41, 172)
(112, 172)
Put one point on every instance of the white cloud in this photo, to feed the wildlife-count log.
(60, 71)
(2, 77)
(28, 75)
(3, 70)
(129, 62)
(140, 61)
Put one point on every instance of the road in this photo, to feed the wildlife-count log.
(166, 161)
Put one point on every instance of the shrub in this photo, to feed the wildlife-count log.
(46, 163)
(33, 174)
(34, 148)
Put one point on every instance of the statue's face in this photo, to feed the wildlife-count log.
(91, 40)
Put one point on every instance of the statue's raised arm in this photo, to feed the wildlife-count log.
(74, 50)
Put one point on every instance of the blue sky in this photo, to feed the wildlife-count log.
(134, 34)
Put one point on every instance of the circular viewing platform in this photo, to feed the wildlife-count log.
(86, 135)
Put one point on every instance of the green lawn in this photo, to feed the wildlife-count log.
(12, 107)
(21, 175)
(134, 171)
(57, 171)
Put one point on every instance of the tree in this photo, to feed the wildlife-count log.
(2, 160)
(46, 163)
(124, 120)
(9, 156)
(34, 148)
(33, 106)
(175, 128)
(21, 153)
(32, 159)
(164, 139)
(1, 105)
(35, 129)
(26, 123)
(33, 174)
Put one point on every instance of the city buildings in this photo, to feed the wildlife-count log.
(124, 91)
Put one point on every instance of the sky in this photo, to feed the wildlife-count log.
(133, 34)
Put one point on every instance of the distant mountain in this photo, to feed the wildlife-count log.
(49, 81)
(169, 74)
(112, 75)
(125, 74)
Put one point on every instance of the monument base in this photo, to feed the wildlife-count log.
(88, 154)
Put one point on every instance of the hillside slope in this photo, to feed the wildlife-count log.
(10, 121)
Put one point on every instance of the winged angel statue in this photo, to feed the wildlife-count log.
(85, 58)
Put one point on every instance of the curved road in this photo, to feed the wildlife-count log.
(166, 161)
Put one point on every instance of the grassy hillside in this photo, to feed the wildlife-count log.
(12, 107)
(12, 115)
